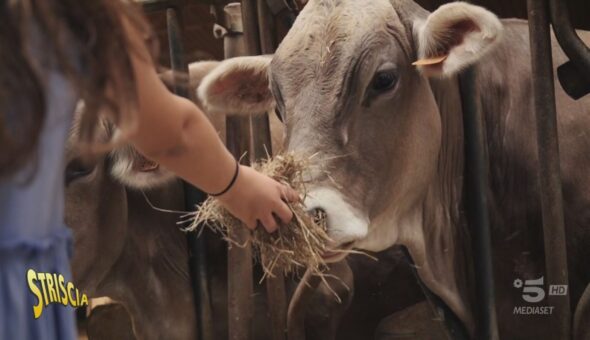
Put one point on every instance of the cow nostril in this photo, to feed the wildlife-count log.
(320, 217)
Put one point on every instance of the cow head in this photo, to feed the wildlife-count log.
(351, 81)
(349, 89)
(123, 248)
(96, 202)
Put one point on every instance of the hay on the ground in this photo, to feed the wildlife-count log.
(299, 244)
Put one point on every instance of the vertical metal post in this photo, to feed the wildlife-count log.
(239, 260)
(260, 123)
(177, 62)
(196, 246)
(476, 173)
(266, 28)
(570, 42)
(299, 302)
(240, 281)
(250, 22)
(549, 171)
(257, 32)
(574, 75)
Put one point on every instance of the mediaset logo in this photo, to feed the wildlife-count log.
(533, 291)
(53, 289)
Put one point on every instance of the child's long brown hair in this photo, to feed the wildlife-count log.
(94, 30)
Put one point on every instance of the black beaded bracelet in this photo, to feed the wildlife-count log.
(231, 183)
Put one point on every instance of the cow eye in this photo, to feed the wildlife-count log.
(77, 169)
(384, 80)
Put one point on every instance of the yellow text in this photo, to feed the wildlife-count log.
(52, 288)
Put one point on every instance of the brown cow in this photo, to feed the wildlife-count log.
(136, 255)
(126, 250)
(389, 133)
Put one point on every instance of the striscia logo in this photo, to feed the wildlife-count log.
(51, 288)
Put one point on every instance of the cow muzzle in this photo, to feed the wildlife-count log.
(344, 223)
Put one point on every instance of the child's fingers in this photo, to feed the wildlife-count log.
(284, 212)
(252, 224)
(289, 193)
(269, 222)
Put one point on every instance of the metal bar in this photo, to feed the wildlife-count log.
(266, 28)
(239, 276)
(192, 196)
(177, 62)
(239, 261)
(574, 83)
(301, 298)
(260, 121)
(574, 75)
(549, 172)
(198, 270)
(160, 5)
(262, 145)
(476, 180)
(570, 42)
(261, 139)
(277, 306)
(250, 24)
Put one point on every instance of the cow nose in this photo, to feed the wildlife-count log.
(343, 223)
(320, 217)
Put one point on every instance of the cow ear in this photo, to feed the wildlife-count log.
(455, 36)
(134, 171)
(238, 86)
(197, 71)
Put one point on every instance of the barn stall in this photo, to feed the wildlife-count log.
(193, 30)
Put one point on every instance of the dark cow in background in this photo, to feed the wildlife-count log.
(389, 133)
(136, 255)
(123, 248)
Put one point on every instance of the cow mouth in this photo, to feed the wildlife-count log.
(338, 253)
(143, 164)
(332, 254)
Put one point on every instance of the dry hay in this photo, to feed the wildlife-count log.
(297, 245)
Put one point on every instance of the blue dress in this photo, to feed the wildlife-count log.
(32, 230)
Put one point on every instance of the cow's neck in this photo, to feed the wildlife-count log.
(436, 238)
(154, 264)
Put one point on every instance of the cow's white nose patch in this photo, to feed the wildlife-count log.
(345, 223)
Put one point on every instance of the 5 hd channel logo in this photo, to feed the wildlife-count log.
(533, 292)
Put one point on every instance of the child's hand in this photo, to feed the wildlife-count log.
(258, 198)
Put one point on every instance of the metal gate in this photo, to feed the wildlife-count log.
(248, 30)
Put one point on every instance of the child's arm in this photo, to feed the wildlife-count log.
(173, 132)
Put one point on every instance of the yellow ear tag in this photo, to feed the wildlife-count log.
(430, 61)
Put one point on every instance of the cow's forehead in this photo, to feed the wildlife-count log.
(329, 31)
(350, 15)
(316, 54)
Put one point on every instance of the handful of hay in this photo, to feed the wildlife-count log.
(299, 244)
